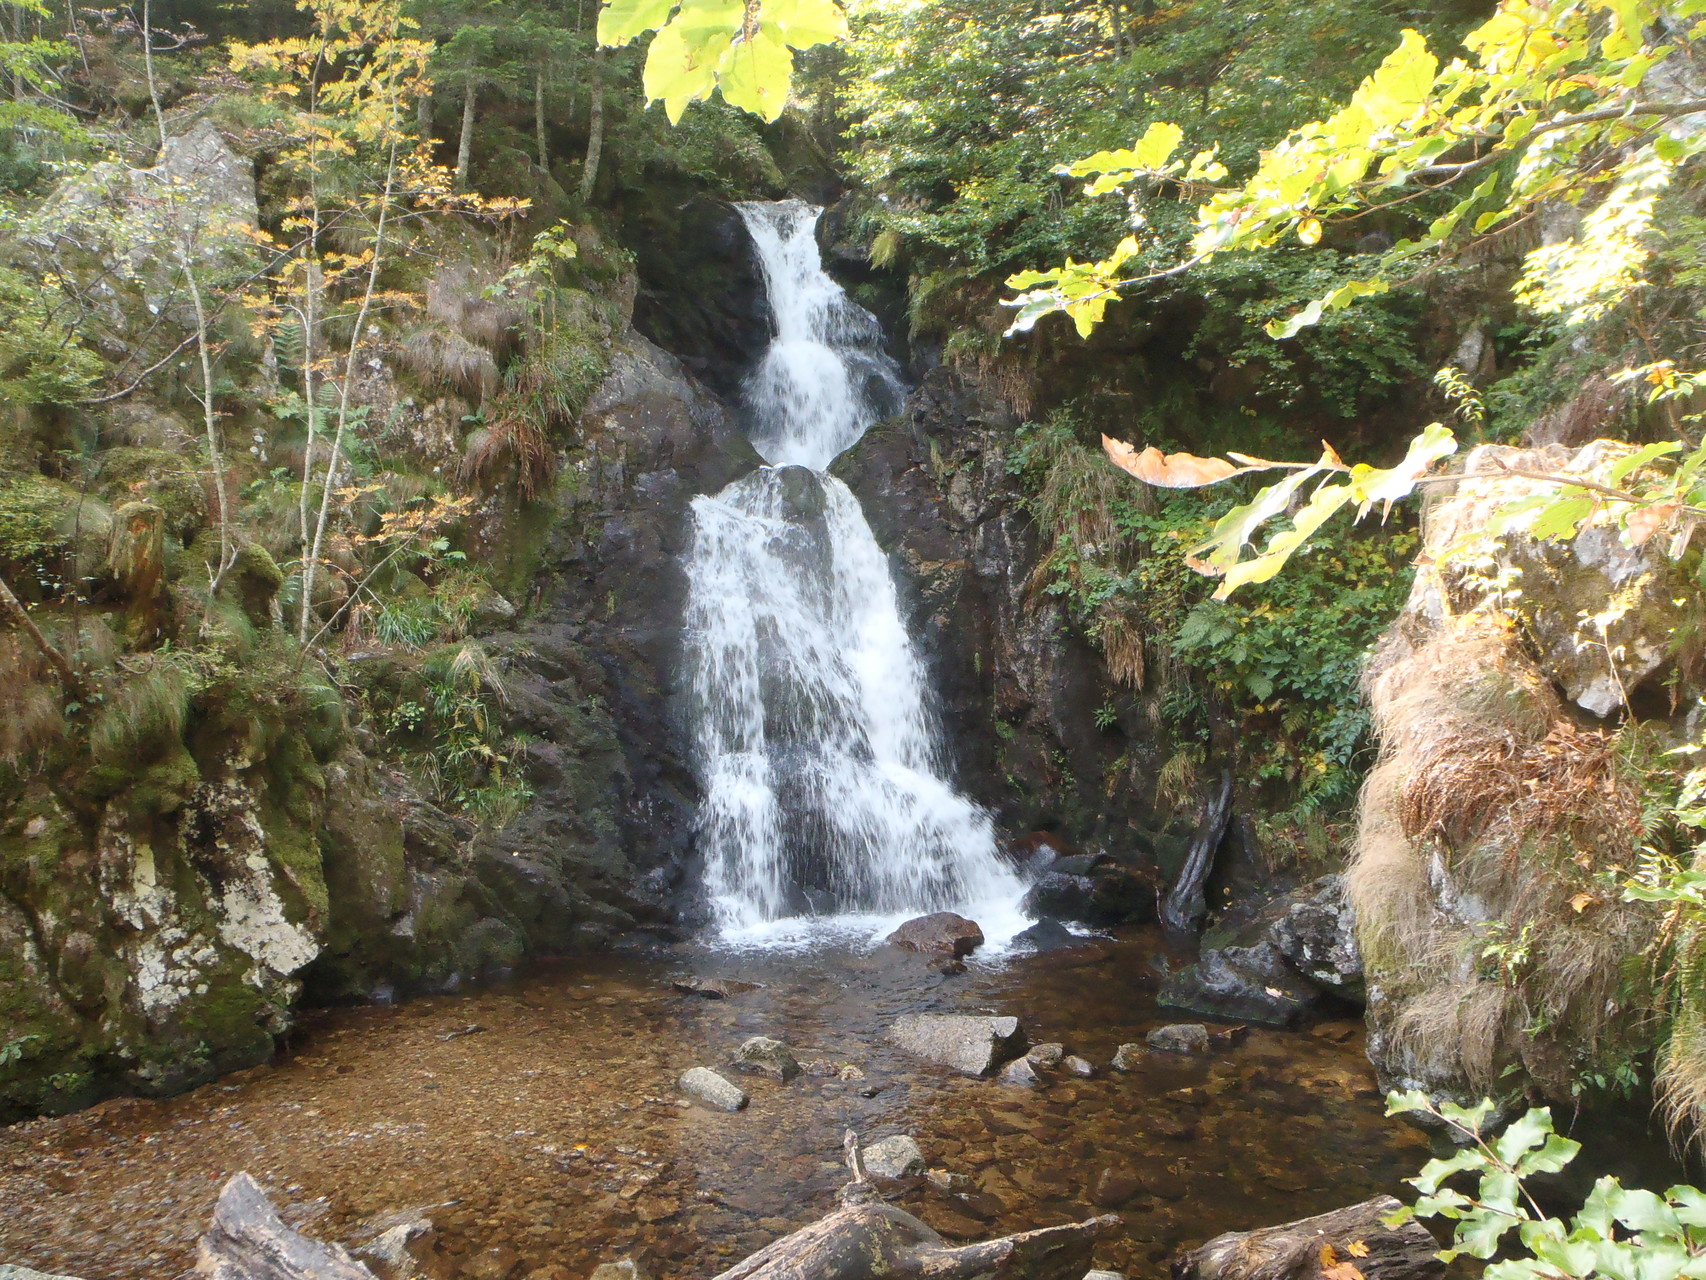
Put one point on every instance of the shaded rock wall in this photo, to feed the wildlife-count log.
(1020, 689)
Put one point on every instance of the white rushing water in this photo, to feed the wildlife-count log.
(827, 798)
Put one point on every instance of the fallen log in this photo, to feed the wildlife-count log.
(249, 1241)
(868, 1240)
(1295, 1250)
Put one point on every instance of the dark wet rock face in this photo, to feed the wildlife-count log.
(1244, 984)
(1277, 964)
(1019, 688)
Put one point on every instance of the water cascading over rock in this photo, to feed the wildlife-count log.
(826, 785)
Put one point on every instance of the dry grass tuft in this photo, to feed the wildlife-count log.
(1483, 828)
(441, 357)
(31, 717)
(1496, 789)
(514, 441)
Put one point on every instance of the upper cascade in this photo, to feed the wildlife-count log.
(825, 377)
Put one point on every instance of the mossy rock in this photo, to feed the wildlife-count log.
(161, 477)
(255, 578)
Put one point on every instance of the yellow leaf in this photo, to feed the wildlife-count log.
(1309, 231)
(1357, 1249)
(1581, 902)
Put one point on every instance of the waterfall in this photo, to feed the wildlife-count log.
(825, 779)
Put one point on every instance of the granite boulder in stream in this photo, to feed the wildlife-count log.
(973, 1045)
(710, 1088)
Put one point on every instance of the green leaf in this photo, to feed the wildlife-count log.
(1337, 300)
(1642, 1211)
(1640, 458)
(677, 72)
(1555, 1153)
(1322, 505)
(1400, 1102)
(1234, 529)
(1560, 519)
(621, 20)
(805, 23)
(1479, 1233)
(1523, 1135)
(755, 74)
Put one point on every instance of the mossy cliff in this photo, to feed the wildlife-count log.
(1521, 699)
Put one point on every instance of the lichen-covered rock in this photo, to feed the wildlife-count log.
(894, 1157)
(1180, 1037)
(762, 1055)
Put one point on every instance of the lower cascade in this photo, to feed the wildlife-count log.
(826, 789)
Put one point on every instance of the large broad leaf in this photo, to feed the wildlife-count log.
(1170, 470)
(804, 23)
(755, 73)
(1323, 504)
(678, 71)
(1234, 529)
(622, 20)
(710, 24)
(1388, 486)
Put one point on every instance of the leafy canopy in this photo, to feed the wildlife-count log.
(1562, 102)
(742, 48)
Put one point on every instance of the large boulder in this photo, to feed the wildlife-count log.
(1497, 808)
(1242, 984)
(1316, 933)
(942, 933)
(971, 1044)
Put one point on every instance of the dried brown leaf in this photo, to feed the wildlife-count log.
(1643, 522)
(1167, 471)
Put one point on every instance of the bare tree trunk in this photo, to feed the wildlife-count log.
(1116, 12)
(186, 254)
(539, 120)
(423, 118)
(866, 1238)
(312, 557)
(210, 427)
(14, 607)
(1293, 1251)
(465, 147)
(595, 128)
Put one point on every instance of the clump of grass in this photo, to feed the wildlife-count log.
(446, 360)
(145, 713)
(1486, 827)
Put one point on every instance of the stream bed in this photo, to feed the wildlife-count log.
(542, 1115)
